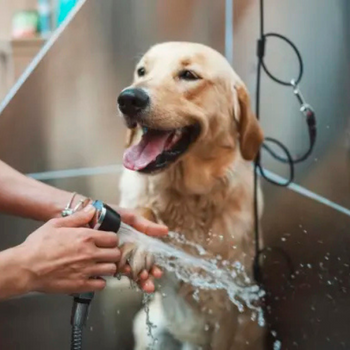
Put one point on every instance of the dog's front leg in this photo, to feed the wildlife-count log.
(136, 257)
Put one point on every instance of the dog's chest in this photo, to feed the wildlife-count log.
(211, 222)
(191, 216)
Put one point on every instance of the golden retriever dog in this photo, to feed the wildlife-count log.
(191, 142)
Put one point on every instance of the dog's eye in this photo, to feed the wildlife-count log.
(141, 72)
(188, 75)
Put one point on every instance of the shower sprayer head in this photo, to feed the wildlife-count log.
(106, 218)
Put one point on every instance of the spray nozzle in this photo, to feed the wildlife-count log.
(106, 218)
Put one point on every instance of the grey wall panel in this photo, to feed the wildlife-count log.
(320, 31)
(309, 306)
(310, 310)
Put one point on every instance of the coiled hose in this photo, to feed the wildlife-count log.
(77, 338)
(80, 312)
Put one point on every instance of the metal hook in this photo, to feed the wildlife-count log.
(305, 108)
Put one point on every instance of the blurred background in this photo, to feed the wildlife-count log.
(62, 65)
(25, 25)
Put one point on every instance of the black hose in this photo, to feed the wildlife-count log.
(106, 219)
(288, 159)
(77, 338)
(80, 313)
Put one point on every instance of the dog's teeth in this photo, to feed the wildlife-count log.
(177, 135)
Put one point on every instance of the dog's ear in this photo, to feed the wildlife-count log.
(251, 134)
(130, 136)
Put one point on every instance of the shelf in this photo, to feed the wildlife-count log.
(15, 56)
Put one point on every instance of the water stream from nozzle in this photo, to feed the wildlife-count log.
(200, 273)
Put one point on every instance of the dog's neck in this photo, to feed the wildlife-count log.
(201, 175)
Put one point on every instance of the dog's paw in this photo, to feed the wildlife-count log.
(137, 258)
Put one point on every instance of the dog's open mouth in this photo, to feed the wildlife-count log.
(159, 148)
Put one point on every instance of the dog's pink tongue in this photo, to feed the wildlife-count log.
(152, 144)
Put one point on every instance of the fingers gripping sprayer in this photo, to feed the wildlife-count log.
(105, 219)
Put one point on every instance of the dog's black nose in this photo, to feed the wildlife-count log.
(132, 101)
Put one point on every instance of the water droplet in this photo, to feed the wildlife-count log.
(274, 334)
(283, 239)
(91, 329)
(309, 266)
(196, 295)
(247, 279)
(277, 345)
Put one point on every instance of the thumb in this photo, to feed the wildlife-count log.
(80, 218)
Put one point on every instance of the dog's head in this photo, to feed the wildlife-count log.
(187, 100)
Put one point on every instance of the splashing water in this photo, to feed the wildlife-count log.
(147, 298)
(198, 272)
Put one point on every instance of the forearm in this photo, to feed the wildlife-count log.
(14, 278)
(26, 197)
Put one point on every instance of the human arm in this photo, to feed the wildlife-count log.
(29, 198)
(26, 197)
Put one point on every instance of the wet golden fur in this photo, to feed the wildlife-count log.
(207, 195)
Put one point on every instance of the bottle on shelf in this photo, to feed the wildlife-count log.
(45, 17)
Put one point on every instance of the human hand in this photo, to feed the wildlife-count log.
(144, 276)
(63, 256)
